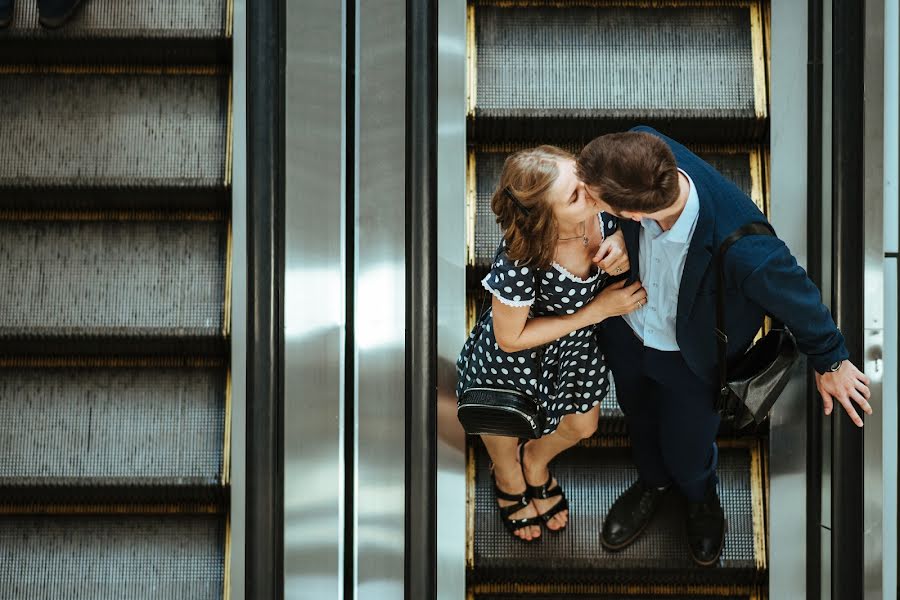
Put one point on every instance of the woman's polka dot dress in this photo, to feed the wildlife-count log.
(568, 375)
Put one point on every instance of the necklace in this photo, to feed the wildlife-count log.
(583, 236)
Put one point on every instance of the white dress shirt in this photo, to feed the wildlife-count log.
(662, 258)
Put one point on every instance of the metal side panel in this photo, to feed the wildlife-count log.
(122, 31)
(123, 557)
(673, 67)
(83, 285)
(593, 478)
(114, 129)
(112, 434)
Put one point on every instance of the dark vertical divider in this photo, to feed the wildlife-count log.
(847, 233)
(814, 93)
(265, 313)
(421, 299)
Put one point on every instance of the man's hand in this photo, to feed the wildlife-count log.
(612, 256)
(844, 385)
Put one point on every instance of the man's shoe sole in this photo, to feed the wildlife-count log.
(60, 21)
(718, 555)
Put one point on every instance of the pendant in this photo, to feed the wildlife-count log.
(584, 241)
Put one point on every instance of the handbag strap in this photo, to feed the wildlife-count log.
(757, 228)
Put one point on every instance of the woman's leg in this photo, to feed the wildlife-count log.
(538, 454)
(508, 474)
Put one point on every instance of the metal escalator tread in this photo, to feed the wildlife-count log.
(123, 557)
(112, 435)
(122, 31)
(100, 286)
(120, 131)
(569, 595)
(619, 64)
(488, 165)
(593, 478)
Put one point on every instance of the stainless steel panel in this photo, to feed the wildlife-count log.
(891, 117)
(451, 295)
(235, 568)
(890, 417)
(379, 300)
(314, 315)
(787, 442)
(873, 303)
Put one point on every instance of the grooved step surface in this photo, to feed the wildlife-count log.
(123, 557)
(113, 131)
(592, 479)
(581, 61)
(107, 279)
(103, 31)
(488, 165)
(589, 596)
(90, 433)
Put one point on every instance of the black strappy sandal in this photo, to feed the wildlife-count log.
(521, 502)
(543, 492)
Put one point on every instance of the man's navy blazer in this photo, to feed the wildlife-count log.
(761, 277)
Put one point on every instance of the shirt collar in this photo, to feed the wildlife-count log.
(683, 229)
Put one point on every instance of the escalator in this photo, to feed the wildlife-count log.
(115, 390)
(563, 72)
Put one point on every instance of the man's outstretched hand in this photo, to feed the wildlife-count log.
(846, 385)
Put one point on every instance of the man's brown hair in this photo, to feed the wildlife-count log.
(632, 171)
(522, 205)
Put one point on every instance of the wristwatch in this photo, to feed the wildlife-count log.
(835, 366)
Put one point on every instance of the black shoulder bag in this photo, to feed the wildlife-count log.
(749, 387)
(485, 410)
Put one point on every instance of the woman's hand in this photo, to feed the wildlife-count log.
(612, 256)
(616, 300)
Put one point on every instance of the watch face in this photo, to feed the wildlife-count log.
(836, 366)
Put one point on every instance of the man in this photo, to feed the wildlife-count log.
(675, 210)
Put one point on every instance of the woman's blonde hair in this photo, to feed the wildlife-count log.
(522, 207)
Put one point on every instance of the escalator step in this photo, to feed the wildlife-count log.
(699, 594)
(112, 139)
(53, 557)
(122, 31)
(735, 166)
(112, 434)
(696, 71)
(113, 287)
(593, 477)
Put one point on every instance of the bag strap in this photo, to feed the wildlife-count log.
(758, 228)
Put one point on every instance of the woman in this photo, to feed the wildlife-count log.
(547, 283)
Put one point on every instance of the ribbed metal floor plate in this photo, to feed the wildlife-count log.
(735, 166)
(117, 130)
(195, 31)
(122, 557)
(666, 595)
(112, 435)
(593, 478)
(85, 286)
(616, 63)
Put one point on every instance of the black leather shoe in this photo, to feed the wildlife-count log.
(7, 7)
(629, 515)
(54, 13)
(706, 529)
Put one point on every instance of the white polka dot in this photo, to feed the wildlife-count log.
(527, 371)
(565, 300)
(571, 292)
(520, 283)
(562, 277)
(507, 289)
(527, 290)
(583, 291)
(516, 298)
(524, 270)
(511, 273)
(571, 311)
(579, 304)
(522, 381)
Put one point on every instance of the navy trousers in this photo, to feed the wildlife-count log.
(669, 411)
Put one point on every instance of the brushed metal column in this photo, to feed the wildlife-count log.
(315, 272)
(451, 508)
(787, 439)
(874, 474)
(237, 505)
(379, 300)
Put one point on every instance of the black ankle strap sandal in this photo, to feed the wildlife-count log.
(521, 501)
(544, 492)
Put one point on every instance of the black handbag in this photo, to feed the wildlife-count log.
(495, 411)
(749, 387)
(498, 411)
